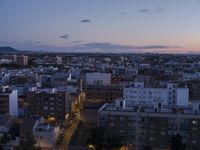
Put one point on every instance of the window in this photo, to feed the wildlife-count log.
(194, 141)
(111, 124)
(52, 108)
(152, 126)
(151, 131)
(45, 108)
(112, 118)
(194, 129)
(130, 124)
(194, 122)
(52, 98)
(162, 133)
(121, 131)
(52, 103)
(122, 118)
(151, 139)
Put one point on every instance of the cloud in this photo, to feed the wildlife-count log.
(193, 52)
(156, 10)
(31, 42)
(85, 21)
(66, 36)
(76, 42)
(101, 47)
(144, 10)
(123, 13)
(106, 47)
(157, 47)
(159, 10)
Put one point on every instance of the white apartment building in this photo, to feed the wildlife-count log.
(8, 102)
(171, 95)
(190, 76)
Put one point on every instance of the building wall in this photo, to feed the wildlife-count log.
(170, 95)
(106, 93)
(153, 129)
(4, 105)
(98, 78)
(47, 104)
(182, 96)
(9, 103)
(145, 94)
(13, 103)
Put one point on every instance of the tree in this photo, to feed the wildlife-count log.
(147, 148)
(176, 143)
(103, 140)
(5, 138)
(113, 142)
(96, 138)
(28, 143)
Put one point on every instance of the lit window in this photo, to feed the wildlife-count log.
(194, 122)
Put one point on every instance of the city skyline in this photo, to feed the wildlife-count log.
(97, 26)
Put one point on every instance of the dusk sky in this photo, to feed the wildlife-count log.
(101, 25)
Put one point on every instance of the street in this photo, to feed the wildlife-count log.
(68, 134)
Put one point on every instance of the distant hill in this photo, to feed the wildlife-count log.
(7, 50)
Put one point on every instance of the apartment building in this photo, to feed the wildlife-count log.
(152, 122)
(152, 125)
(97, 78)
(49, 103)
(20, 60)
(171, 94)
(8, 101)
(104, 93)
(59, 60)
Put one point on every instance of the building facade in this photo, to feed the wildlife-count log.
(152, 122)
(20, 60)
(103, 93)
(171, 94)
(142, 125)
(8, 101)
(49, 103)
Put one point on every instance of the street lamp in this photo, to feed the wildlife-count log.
(91, 147)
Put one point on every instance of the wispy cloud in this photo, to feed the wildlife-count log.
(156, 10)
(76, 42)
(123, 13)
(65, 36)
(102, 47)
(85, 21)
(144, 10)
(159, 10)
(31, 42)
(109, 47)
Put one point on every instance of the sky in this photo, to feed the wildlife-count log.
(101, 25)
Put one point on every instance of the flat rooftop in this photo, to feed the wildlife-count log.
(148, 108)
